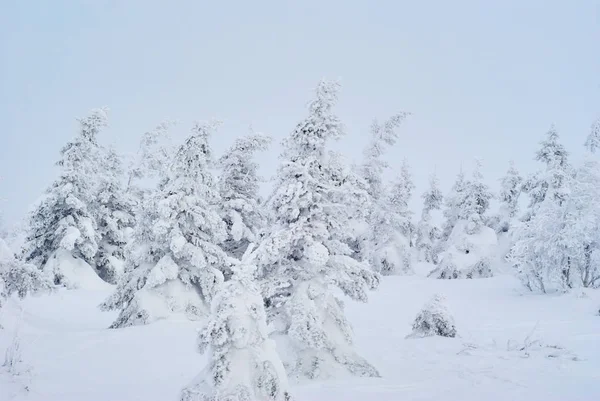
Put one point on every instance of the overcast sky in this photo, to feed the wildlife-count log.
(482, 78)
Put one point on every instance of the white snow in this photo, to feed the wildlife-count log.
(74, 273)
(512, 345)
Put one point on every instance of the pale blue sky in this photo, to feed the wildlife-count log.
(483, 78)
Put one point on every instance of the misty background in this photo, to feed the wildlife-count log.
(483, 79)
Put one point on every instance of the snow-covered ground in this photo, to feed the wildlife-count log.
(512, 346)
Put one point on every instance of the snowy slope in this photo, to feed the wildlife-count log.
(71, 356)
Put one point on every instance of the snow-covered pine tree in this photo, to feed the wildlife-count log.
(150, 164)
(399, 198)
(62, 225)
(393, 228)
(592, 143)
(243, 363)
(555, 158)
(113, 216)
(304, 254)
(477, 197)
(466, 251)
(427, 232)
(511, 186)
(239, 185)
(175, 263)
(453, 205)
(541, 250)
(382, 137)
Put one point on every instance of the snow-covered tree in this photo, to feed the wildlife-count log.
(382, 244)
(243, 362)
(453, 205)
(62, 220)
(557, 170)
(151, 162)
(477, 197)
(239, 186)
(399, 197)
(511, 185)
(181, 266)
(113, 216)
(382, 137)
(592, 143)
(434, 320)
(542, 243)
(392, 228)
(465, 252)
(305, 252)
(427, 232)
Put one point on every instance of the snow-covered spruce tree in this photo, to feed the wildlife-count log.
(243, 362)
(239, 185)
(592, 143)
(399, 197)
(150, 164)
(392, 228)
(511, 186)
(305, 253)
(467, 250)
(541, 249)
(62, 225)
(453, 205)
(434, 320)
(477, 199)
(427, 232)
(555, 158)
(175, 263)
(371, 173)
(113, 216)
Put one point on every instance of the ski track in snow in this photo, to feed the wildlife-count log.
(72, 356)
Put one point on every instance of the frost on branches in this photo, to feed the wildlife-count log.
(243, 362)
(175, 262)
(434, 320)
(63, 220)
(427, 232)
(239, 186)
(113, 217)
(306, 252)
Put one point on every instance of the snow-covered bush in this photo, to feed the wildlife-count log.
(243, 362)
(434, 320)
(19, 277)
(467, 255)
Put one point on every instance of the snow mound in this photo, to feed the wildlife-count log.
(74, 273)
(468, 255)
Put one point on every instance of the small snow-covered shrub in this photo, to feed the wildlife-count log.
(434, 320)
(243, 362)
